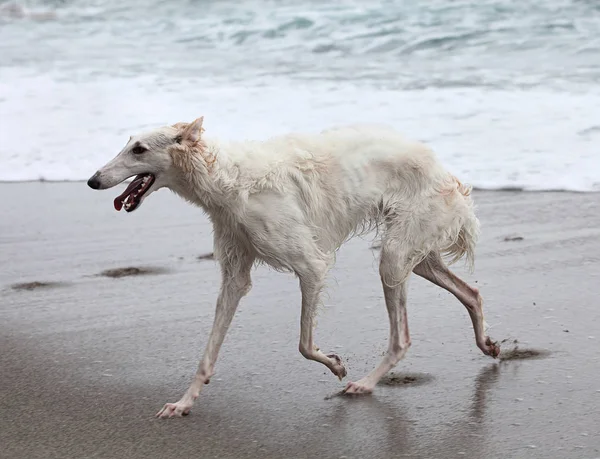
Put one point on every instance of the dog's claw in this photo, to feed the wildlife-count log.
(339, 370)
(171, 410)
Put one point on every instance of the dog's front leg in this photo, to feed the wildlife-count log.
(235, 284)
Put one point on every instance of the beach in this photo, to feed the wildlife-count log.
(88, 356)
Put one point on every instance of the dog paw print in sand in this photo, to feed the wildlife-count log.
(36, 285)
(513, 238)
(132, 271)
(517, 353)
(405, 379)
(523, 354)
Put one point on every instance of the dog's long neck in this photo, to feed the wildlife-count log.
(206, 176)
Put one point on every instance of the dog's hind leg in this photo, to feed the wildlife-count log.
(312, 279)
(394, 269)
(236, 283)
(435, 270)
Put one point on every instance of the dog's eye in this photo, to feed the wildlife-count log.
(138, 150)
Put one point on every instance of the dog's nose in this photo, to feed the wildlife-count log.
(94, 182)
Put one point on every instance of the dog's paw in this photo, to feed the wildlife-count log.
(491, 348)
(357, 388)
(338, 368)
(171, 410)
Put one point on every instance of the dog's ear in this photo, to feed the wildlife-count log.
(180, 126)
(193, 131)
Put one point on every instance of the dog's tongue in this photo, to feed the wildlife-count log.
(118, 204)
(132, 186)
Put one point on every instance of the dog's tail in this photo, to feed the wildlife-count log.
(465, 240)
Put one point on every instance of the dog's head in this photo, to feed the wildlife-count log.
(151, 157)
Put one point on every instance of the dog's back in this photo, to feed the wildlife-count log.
(346, 180)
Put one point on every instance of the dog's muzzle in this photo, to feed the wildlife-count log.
(94, 181)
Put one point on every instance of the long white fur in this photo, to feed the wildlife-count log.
(292, 201)
(334, 185)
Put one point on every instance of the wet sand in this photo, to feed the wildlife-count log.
(86, 360)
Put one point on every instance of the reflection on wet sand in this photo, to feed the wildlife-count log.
(398, 434)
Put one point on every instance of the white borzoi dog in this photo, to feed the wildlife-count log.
(292, 201)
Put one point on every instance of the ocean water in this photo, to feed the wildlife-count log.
(506, 92)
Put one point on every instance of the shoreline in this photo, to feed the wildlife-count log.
(507, 189)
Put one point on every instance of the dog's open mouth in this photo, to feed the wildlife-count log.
(132, 196)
